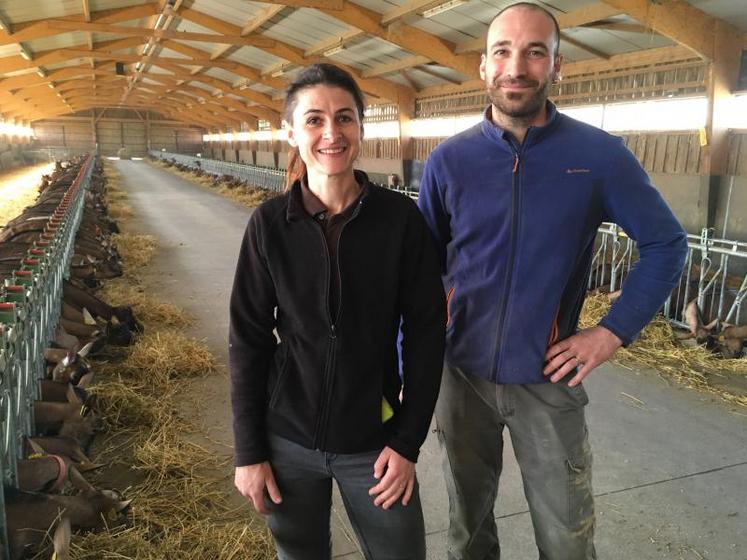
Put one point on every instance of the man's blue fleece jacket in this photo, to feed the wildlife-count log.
(515, 224)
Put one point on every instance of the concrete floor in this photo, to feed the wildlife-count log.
(670, 472)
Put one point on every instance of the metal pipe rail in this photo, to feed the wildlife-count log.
(706, 277)
(614, 255)
(262, 177)
(30, 302)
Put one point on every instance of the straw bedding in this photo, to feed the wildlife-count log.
(182, 499)
(247, 195)
(658, 349)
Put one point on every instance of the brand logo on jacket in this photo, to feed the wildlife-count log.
(578, 170)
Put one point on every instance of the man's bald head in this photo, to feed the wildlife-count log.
(536, 8)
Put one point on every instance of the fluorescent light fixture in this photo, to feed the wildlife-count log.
(334, 50)
(51, 85)
(667, 114)
(443, 7)
(386, 129)
(277, 73)
(158, 21)
(23, 51)
(4, 25)
(41, 72)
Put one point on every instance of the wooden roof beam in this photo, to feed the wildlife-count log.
(340, 41)
(407, 37)
(679, 21)
(576, 18)
(39, 29)
(146, 33)
(408, 9)
(396, 66)
(381, 88)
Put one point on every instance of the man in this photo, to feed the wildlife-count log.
(514, 204)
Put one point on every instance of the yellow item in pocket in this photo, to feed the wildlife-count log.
(386, 410)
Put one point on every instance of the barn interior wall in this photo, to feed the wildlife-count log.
(77, 135)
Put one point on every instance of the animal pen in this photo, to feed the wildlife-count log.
(30, 301)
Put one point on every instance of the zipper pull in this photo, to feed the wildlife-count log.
(516, 163)
(333, 332)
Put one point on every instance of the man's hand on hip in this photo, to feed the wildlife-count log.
(585, 350)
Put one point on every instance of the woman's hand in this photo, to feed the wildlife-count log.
(396, 477)
(251, 482)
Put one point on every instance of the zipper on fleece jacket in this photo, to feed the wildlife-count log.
(515, 184)
(320, 431)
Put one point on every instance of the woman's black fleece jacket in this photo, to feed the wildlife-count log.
(322, 383)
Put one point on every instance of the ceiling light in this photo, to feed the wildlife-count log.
(51, 86)
(277, 73)
(42, 73)
(443, 7)
(25, 53)
(4, 25)
(334, 50)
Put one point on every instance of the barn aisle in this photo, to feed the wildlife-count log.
(670, 463)
(199, 234)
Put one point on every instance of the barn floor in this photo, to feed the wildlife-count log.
(670, 463)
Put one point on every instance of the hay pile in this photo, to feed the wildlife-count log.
(250, 197)
(658, 349)
(130, 291)
(182, 495)
(19, 189)
(136, 250)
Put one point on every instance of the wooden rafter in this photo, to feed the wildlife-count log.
(680, 21)
(396, 66)
(39, 29)
(407, 9)
(339, 41)
(588, 14)
(381, 88)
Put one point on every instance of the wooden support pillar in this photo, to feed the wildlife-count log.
(275, 144)
(94, 137)
(406, 148)
(723, 76)
(147, 131)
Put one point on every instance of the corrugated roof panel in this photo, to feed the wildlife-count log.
(17, 11)
(424, 80)
(606, 41)
(61, 41)
(263, 88)
(237, 13)
(222, 74)
(435, 27)
(306, 27)
(254, 57)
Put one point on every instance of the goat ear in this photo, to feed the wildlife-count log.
(710, 326)
(85, 379)
(61, 540)
(121, 506)
(35, 447)
(114, 320)
(692, 316)
(88, 318)
(72, 396)
(83, 352)
(78, 481)
(614, 295)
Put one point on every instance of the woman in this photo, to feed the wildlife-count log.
(333, 265)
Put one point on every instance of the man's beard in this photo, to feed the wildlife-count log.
(526, 110)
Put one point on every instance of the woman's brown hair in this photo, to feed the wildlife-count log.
(315, 75)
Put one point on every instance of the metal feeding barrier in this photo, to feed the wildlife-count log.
(715, 274)
(706, 277)
(263, 177)
(30, 301)
(268, 178)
